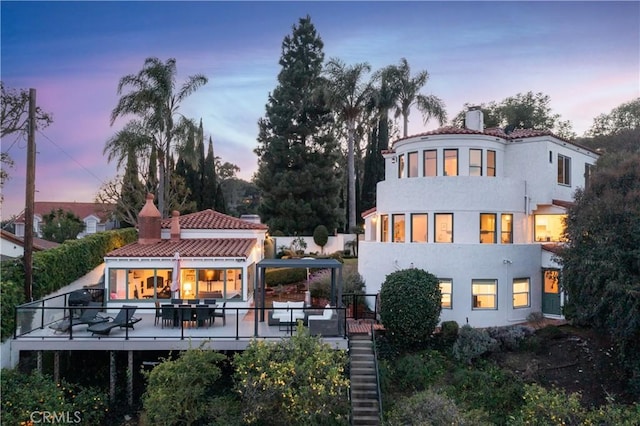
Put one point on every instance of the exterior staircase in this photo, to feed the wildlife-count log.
(365, 407)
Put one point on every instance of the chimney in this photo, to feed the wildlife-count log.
(474, 119)
(149, 223)
(175, 225)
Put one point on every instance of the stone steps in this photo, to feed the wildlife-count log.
(365, 409)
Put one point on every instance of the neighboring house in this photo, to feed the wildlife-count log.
(483, 211)
(97, 217)
(12, 246)
(217, 258)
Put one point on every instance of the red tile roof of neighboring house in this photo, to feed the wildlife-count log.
(553, 248)
(38, 243)
(197, 247)
(82, 210)
(562, 203)
(368, 212)
(211, 219)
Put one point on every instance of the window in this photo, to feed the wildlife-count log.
(419, 228)
(549, 227)
(412, 166)
(400, 166)
(446, 290)
(91, 226)
(487, 228)
(521, 293)
(430, 163)
(506, 228)
(384, 228)
(588, 172)
(485, 294)
(443, 224)
(398, 228)
(491, 163)
(475, 162)
(451, 162)
(564, 170)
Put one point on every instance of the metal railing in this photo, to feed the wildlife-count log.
(358, 305)
(375, 363)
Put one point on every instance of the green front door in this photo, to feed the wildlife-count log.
(551, 292)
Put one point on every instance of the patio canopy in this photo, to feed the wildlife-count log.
(306, 262)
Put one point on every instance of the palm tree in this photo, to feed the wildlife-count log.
(409, 95)
(348, 95)
(153, 98)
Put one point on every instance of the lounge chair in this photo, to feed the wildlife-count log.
(90, 316)
(124, 318)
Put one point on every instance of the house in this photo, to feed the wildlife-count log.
(482, 210)
(97, 217)
(12, 246)
(201, 255)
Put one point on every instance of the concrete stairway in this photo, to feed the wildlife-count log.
(365, 409)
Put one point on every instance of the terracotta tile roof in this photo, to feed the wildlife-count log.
(197, 247)
(368, 212)
(497, 132)
(82, 210)
(38, 243)
(211, 219)
(562, 203)
(553, 248)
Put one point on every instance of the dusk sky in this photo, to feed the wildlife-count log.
(584, 55)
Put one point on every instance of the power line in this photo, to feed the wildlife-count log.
(72, 159)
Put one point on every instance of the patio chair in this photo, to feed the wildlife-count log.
(210, 301)
(220, 314)
(168, 315)
(124, 318)
(158, 313)
(203, 315)
(90, 315)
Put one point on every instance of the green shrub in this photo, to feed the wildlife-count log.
(410, 305)
(509, 338)
(472, 343)
(449, 331)
(544, 407)
(321, 236)
(23, 394)
(283, 276)
(427, 408)
(418, 371)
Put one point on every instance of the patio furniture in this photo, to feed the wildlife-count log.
(203, 315)
(327, 324)
(168, 315)
(90, 315)
(219, 314)
(124, 318)
(158, 313)
(287, 312)
(176, 301)
(193, 301)
(186, 313)
(210, 301)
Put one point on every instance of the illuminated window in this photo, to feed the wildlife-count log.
(451, 162)
(475, 162)
(549, 227)
(412, 166)
(521, 293)
(491, 163)
(564, 170)
(487, 228)
(485, 294)
(384, 228)
(419, 228)
(506, 228)
(398, 228)
(446, 290)
(400, 166)
(430, 163)
(443, 227)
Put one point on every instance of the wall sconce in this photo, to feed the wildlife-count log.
(394, 159)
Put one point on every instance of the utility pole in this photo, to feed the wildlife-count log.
(30, 198)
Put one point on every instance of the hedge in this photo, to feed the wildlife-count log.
(56, 268)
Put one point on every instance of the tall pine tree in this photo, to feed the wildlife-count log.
(209, 181)
(298, 153)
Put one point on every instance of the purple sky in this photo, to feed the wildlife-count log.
(584, 55)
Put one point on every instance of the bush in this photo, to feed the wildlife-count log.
(427, 408)
(321, 236)
(549, 407)
(472, 343)
(410, 305)
(509, 338)
(418, 371)
(284, 276)
(23, 394)
(449, 331)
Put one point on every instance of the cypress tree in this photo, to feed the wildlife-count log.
(298, 153)
(209, 181)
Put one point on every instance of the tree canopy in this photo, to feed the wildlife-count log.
(60, 226)
(601, 260)
(298, 154)
(623, 117)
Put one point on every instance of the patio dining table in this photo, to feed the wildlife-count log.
(188, 312)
